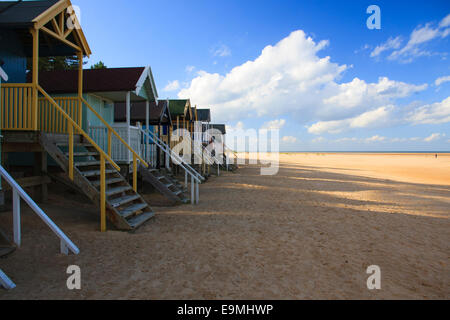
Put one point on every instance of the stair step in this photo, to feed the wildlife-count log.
(113, 191)
(125, 213)
(168, 185)
(108, 181)
(87, 163)
(75, 144)
(140, 219)
(123, 200)
(178, 192)
(83, 154)
(94, 173)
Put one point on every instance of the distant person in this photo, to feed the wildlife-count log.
(436, 155)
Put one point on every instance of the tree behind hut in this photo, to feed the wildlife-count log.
(99, 65)
(56, 63)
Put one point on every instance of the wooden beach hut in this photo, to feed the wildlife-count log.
(157, 119)
(128, 90)
(204, 117)
(36, 124)
(155, 124)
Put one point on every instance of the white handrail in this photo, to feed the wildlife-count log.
(18, 193)
(166, 149)
(196, 178)
(5, 281)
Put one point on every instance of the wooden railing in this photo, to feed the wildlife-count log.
(112, 132)
(119, 151)
(18, 114)
(17, 106)
(73, 126)
(52, 121)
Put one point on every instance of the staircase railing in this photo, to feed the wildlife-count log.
(66, 244)
(206, 154)
(228, 151)
(6, 282)
(196, 177)
(111, 132)
(72, 125)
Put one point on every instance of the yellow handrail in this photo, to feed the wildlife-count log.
(114, 132)
(76, 126)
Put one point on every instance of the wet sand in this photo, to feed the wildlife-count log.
(309, 232)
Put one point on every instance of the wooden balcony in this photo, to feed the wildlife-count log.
(20, 112)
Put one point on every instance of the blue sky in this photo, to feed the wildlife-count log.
(327, 81)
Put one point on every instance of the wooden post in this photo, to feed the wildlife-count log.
(70, 151)
(102, 194)
(169, 137)
(109, 142)
(134, 173)
(158, 150)
(80, 88)
(128, 112)
(147, 126)
(35, 78)
(192, 190)
(16, 218)
(196, 193)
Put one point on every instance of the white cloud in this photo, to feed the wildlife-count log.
(433, 137)
(441, 80)
(287, 77)
(358, 92)
(221, 51)
(289, 139)
(290, 78)
(172, 86)
(318, 140)
(376, 138)
(274, 124)
(347, 140)
(415, 46)
(190, 68)
(434, 113)
(369, 119)
(445, 22)
(392, 43)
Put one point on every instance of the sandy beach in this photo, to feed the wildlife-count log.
(309, 232)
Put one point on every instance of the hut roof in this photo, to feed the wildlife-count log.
(159, 113)
(20, 16)
(22, 13)
(180, 107)
(204, 115)
(106, 81)
(220, 127)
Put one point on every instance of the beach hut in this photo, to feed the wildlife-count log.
(18, 195)
(102, 89)
(128, 90)
(204, 117)
(181, 114)
(155, 124)
(33, 121)
(157, 119)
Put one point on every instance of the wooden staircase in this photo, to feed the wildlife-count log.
(125, 208)
(165, 183)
